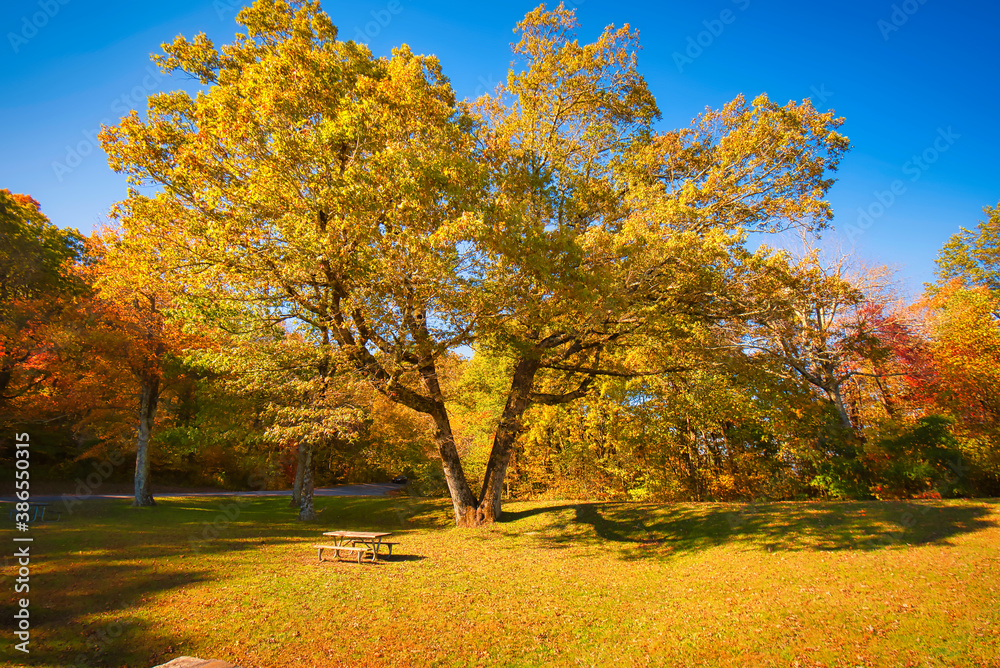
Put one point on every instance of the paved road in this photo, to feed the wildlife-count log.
(368, 489)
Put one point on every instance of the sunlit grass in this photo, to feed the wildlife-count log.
(556, 583)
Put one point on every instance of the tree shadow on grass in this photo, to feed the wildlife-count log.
(390, 514)
(95, 573)
(679, 528)
(401, 558)
(100, 574)
(367, 562)
(89, 613)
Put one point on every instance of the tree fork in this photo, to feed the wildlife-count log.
(518, 401)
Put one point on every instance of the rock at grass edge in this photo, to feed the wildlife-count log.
(193, 662)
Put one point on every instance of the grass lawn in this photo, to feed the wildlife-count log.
(555, 583)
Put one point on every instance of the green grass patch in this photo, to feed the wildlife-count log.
(554, 583)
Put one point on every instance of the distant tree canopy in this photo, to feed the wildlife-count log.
(36, 258)
(973, 257)
(33, 252)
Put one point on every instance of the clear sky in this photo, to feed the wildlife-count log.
(916, 80)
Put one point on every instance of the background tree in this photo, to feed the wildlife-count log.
(131, 304)
(300, 401)
(973, 257)
(37, 285)
(821, 327)
(964, 332)
(962, 357)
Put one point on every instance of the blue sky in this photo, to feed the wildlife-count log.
(917, 83)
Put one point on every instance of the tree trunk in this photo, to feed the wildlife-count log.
(306, 509)
(6, 374)
(694, 459)
(518, 400)
(149, 396)
(887, 402)
(845, 418)
(300, 469)
(462, 499)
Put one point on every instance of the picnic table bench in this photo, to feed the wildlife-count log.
(359, 544)
(37, 508)
(359, 552)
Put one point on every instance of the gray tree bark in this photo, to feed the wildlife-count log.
(300, 469)
(462, 499)
(510, 427)
(149, 397)
(307, 510)
(837, 397)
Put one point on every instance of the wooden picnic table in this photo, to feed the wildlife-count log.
(348, 541)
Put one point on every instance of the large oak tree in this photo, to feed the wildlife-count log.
(353, 199)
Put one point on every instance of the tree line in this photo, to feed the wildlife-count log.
(334, 267)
